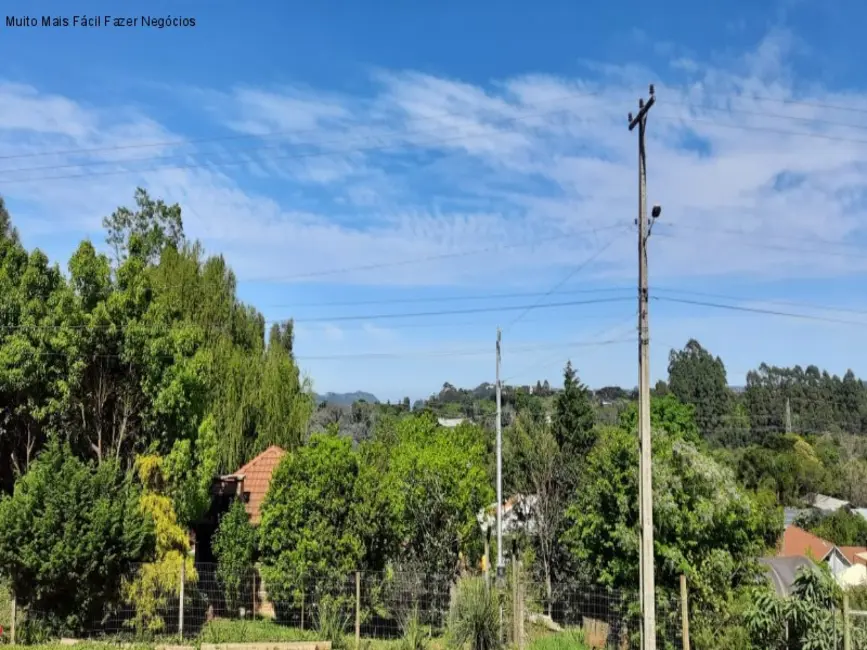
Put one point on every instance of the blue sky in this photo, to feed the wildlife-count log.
(413, 158)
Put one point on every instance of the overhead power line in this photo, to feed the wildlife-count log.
(752, 242)
(430, 258)
(446, 114)
(452, 298)
(362, 317)
(395, 354)
(790, 303)
(759, 310)
(571, 274)
(396, 135)
(449, 312)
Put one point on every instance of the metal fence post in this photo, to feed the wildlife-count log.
(684, 612)
(357, 609)
(847, 631)
(181, 599)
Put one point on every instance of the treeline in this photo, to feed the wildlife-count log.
(132, 381)
(148, 349)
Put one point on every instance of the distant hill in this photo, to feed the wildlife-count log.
(345, 399)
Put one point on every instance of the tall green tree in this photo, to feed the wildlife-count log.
(535, 467)
(309, 529)
(705, 525)
(573, 415)
(698, 378)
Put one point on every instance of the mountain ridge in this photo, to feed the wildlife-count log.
(345, 399)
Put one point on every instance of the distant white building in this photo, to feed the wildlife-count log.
(827, 505)
(450, 423)
(517, 515)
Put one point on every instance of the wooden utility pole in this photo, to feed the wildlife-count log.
(501, 565)
(648, 604)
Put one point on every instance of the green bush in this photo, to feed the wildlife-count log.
(68, 534)
(234, 544)
(415, 636)
(332, 620)
(474, 618)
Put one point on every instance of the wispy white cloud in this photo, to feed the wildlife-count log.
(423, 166)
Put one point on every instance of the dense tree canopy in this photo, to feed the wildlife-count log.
(698, 379)
(144, 357)
(138, 350)
(69, 534)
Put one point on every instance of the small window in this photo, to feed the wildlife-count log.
(245, 497)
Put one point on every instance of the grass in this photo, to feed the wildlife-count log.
(253, 631)
(566, 640)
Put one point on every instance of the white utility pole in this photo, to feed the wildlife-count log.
(648, 603)
(501, 566)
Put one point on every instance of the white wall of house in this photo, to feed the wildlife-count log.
(837, 562)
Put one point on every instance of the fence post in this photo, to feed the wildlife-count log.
(519, 601)
(847, 631)
(684, 612)
(357, 609)
(181, 600)
(14, 615)
(253, 573)
(302, 604)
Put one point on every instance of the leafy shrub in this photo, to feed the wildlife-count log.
(807, 620)
(234, 544)
(415, 636)
(68, 534)
(332, 621)
(157, 582)
(474, 617)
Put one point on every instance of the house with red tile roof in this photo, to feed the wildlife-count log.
(797, 542)
(251, 481)
(855, 554)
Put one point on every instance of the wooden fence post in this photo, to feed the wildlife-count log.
(684, 612)
(514, 600)
(253, 573)
(14, 615)
(357, 609)
(847, 631)
(302, 605)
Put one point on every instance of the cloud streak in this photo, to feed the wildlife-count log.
(420, 166)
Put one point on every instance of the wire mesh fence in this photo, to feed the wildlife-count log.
(203, 604)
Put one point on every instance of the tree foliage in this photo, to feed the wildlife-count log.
(697, 378)
(234, 546)
(309, 529)
(574, 417)
(138, 351)
(68, 534)
(705, 525)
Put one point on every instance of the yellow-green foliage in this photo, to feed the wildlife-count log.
(158, 582)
